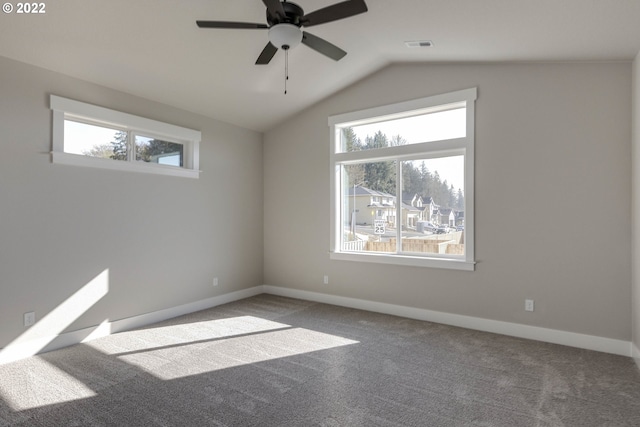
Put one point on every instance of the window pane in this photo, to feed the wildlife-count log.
(433, 206)
(153, 150)
(94, 141)
(436, 126)
(369, 207)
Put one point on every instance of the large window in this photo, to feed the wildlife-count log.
(402, 183)
(88, 135)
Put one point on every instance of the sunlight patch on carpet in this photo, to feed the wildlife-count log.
(39, 385)
(194, 334)
(178, 362)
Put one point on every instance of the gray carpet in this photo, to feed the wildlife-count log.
(273, 361)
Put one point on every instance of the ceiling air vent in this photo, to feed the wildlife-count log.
(419, 43)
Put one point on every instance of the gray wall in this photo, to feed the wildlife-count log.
(635, 261)
(162, 238)
(553, 221)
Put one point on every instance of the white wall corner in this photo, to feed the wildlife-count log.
(635, 206)
(22, 349)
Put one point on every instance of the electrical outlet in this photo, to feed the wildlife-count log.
(326, 280)
(29, 318)
(215, 281)
(528, 305)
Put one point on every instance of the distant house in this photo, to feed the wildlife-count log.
(446, 216)
(412, 199)
(370, 205)
(410, 215)
(430, 210)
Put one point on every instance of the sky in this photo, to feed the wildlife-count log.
(80, 137)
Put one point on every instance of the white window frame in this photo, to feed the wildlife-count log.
(459, 146)
(69, 109)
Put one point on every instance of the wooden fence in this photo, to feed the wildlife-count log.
(433, 246)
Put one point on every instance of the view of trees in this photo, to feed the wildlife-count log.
(104, 151)
(147, 149)
(381, 176)
(119, 146)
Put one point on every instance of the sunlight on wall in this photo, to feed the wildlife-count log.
(37, 337)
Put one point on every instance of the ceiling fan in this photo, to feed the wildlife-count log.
(285, 21)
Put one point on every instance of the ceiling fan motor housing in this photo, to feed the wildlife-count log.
(293, 15)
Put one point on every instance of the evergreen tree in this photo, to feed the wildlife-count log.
(397, 141)
(411, 179)
(451, 202)
(437, 189)
(119, 145)
(460, 200)
(379, 140)
(355, 172)
(426, 181)
(355, 175)
(380, 176)
(350, 140)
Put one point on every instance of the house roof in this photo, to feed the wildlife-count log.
(410, 207)
(155, 50)
(363, 191)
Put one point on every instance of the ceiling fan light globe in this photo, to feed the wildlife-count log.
(281, 35)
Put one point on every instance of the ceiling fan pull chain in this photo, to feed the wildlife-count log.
(286, 69)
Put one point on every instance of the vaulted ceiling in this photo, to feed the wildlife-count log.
(153, 48)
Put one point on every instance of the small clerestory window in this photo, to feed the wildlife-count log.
(93, 136)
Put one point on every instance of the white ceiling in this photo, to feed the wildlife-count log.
(153, 49)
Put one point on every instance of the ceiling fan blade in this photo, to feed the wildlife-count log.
(323, 46)
(266, 55)
(236, 25)
(275, 9)
(334, 12)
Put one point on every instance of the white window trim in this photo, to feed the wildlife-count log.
(437, 148)
(64, 109)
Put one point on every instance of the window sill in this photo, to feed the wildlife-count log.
(119, 165)
(447, 263)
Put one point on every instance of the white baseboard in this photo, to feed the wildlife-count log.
(20, 349)
(168, 313)
(554, 336)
